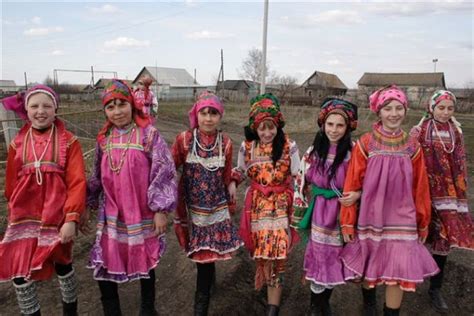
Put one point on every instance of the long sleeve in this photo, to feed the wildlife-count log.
(294, 158)
(178, 151)
(421, 193)
(94, 183)
(228, 163)
(11, 172)
(162, 191)
(300, 196)
(354, 180)
(239, 172)
(75, 178)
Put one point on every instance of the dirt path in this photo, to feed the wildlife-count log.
(234, 292)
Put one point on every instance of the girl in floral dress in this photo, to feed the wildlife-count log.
(442, 141)
(203, 221)
(46, 192)
(133, 188)
(270, 160)
(318, 196)
(386, 235)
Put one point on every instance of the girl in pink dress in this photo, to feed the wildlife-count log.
(133, 188)
(46, 191)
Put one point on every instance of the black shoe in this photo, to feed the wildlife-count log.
(70, 309)
(201, 303)
(272, 310)
(437, 300)
(111, 307)
(370, 302)
(391, 311)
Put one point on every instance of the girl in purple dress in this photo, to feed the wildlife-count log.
(133, 187)
(317, 199)
(386, 233)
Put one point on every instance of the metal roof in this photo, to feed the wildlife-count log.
(431, 79)
(174, 77)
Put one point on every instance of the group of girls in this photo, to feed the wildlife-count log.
(366, 204)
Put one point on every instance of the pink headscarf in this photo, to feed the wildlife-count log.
(18, 102)
(382, 96)
(205, 99)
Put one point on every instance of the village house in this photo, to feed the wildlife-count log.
(321, 85)
(418, 86)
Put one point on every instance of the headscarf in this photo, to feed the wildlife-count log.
(382, 96)
(345, 108)
(265, 107)
(118, 89)
(439, 96)
(206, 99)
(18, 102)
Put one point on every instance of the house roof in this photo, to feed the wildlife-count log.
(331, 80)
(431, 79)
(7, 84)
(174, 77)
(233, 84)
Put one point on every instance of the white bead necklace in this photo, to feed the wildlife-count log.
(194, 153)
(451, 133)
(37, 163)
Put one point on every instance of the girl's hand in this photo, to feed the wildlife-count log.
(350, 198)
(422, 239)
(67, 232)
(232, 192)
(160, 223)
(348, 237)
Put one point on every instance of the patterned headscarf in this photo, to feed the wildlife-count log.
(345, 108)
(438, 96)
(18, 102)
(118, 89)
(265, 107)
(205, 99)
(382, 96)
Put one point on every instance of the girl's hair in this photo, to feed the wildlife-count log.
(321, 147)
(210, 110)
(277, 144)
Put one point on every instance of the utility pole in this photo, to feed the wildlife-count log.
(26, 81)
(220, 77)
(435, 60)
(264, 49)
(92, 76)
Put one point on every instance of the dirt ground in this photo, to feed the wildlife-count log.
(235, 295)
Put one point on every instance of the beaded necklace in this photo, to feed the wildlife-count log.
(451, 134)
(201, 161)
(37, 163)
(116, 168)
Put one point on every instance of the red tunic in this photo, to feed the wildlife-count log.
(31, 244)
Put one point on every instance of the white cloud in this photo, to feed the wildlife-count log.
(41, 31)
(105, 9)
(36, 20)
(407, 9)
(57, 52)
(204, 34)
(330, 16)
(333, 62)
(124, 43)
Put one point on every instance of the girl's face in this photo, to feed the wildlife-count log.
(208, 119)
(119, 112)
(266, 131)
(40, 110)
(335, 127)
(392, 115)
(140, 85)
(443, 111)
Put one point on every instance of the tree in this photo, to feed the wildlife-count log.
(285, 85)
(48, 81)
(252, 66)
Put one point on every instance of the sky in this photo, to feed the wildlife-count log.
(346, 38)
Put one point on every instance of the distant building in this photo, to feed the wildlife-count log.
(171, 83)
(321, 85)
(8, 87)
(237, 90)
(418, 86)
(101, 83)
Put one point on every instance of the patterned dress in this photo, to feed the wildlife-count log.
(125, 247)
(394, 210)
(268, 207)
(322, 264)
(203, 223)
(31, 244)
(451, 223)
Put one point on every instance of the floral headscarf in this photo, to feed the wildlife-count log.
(265, 107)
(345, 108)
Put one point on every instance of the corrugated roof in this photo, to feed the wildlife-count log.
(332, 81)
(432, 79)
(175, 77)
